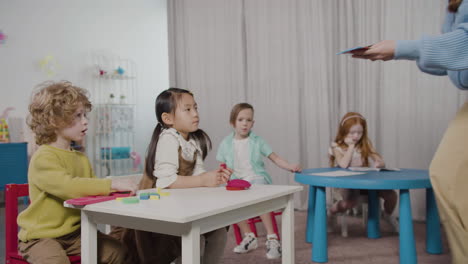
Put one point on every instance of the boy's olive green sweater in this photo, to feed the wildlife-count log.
(56, 175)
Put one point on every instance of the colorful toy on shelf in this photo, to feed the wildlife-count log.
(4, 134)
(136, 160)
(3, 37)
(120, 71)
(115, 153)
(237, 185)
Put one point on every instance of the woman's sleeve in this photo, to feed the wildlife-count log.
(437, 54)
(166, 164)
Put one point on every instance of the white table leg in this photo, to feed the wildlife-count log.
(287, 229)
(191, 246)
(88, 240)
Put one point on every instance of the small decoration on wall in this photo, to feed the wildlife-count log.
(102, 72)
(49, 65)
(120, 71)
(3, 37)
(111, 98)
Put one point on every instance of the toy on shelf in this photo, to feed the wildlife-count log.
(136, 160)
(115, 153)
(4, 134)
(120, 71)
(237, 185)
(3, 37)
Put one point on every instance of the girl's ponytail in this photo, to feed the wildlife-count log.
(151, 151)
(204, 139)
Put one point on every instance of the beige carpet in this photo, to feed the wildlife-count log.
(356, 248)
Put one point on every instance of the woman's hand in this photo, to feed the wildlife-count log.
(384, 50)
(123, 185)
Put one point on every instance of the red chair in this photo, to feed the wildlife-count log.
(252, 222)
(12, 193)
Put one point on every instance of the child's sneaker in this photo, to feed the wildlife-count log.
(247, 244)
(392, 221)
(273, 247)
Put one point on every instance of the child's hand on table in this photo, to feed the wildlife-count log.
(124, 185)
(216, 177)
(295, 168)
(379, 163)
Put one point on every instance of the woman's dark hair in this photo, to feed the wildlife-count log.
(166, 102)
(453, 5)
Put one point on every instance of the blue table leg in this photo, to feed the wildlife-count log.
(373, 225)
(433, 235)
(310, 215)
(319, 246)
(407, 243)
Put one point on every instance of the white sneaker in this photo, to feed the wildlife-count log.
(392, 221)
(247, 244)
(273, 247)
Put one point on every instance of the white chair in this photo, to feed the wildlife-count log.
(341, 217)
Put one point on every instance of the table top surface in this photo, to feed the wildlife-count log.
(371, 180)
(187, 205)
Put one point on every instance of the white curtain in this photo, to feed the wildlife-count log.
(279, 55)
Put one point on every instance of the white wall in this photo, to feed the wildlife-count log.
(71, 31)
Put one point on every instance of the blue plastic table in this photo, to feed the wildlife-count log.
(403, 180)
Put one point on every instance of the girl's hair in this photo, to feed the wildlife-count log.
(453, 5)
(52, 107)
(364, 144)
(236, 110)
(166, 102)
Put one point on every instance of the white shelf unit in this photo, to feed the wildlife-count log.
(112, 123)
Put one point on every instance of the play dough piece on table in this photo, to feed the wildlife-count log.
(130, 200)
(237, 185)
(161, 193)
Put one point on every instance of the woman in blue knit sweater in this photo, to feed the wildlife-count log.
(445, 54)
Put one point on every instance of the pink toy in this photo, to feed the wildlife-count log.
(237, 185)
(136, 160)
(3, 37)
(223, 165)
(96, 198)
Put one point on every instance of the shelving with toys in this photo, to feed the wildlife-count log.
(112, 128)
